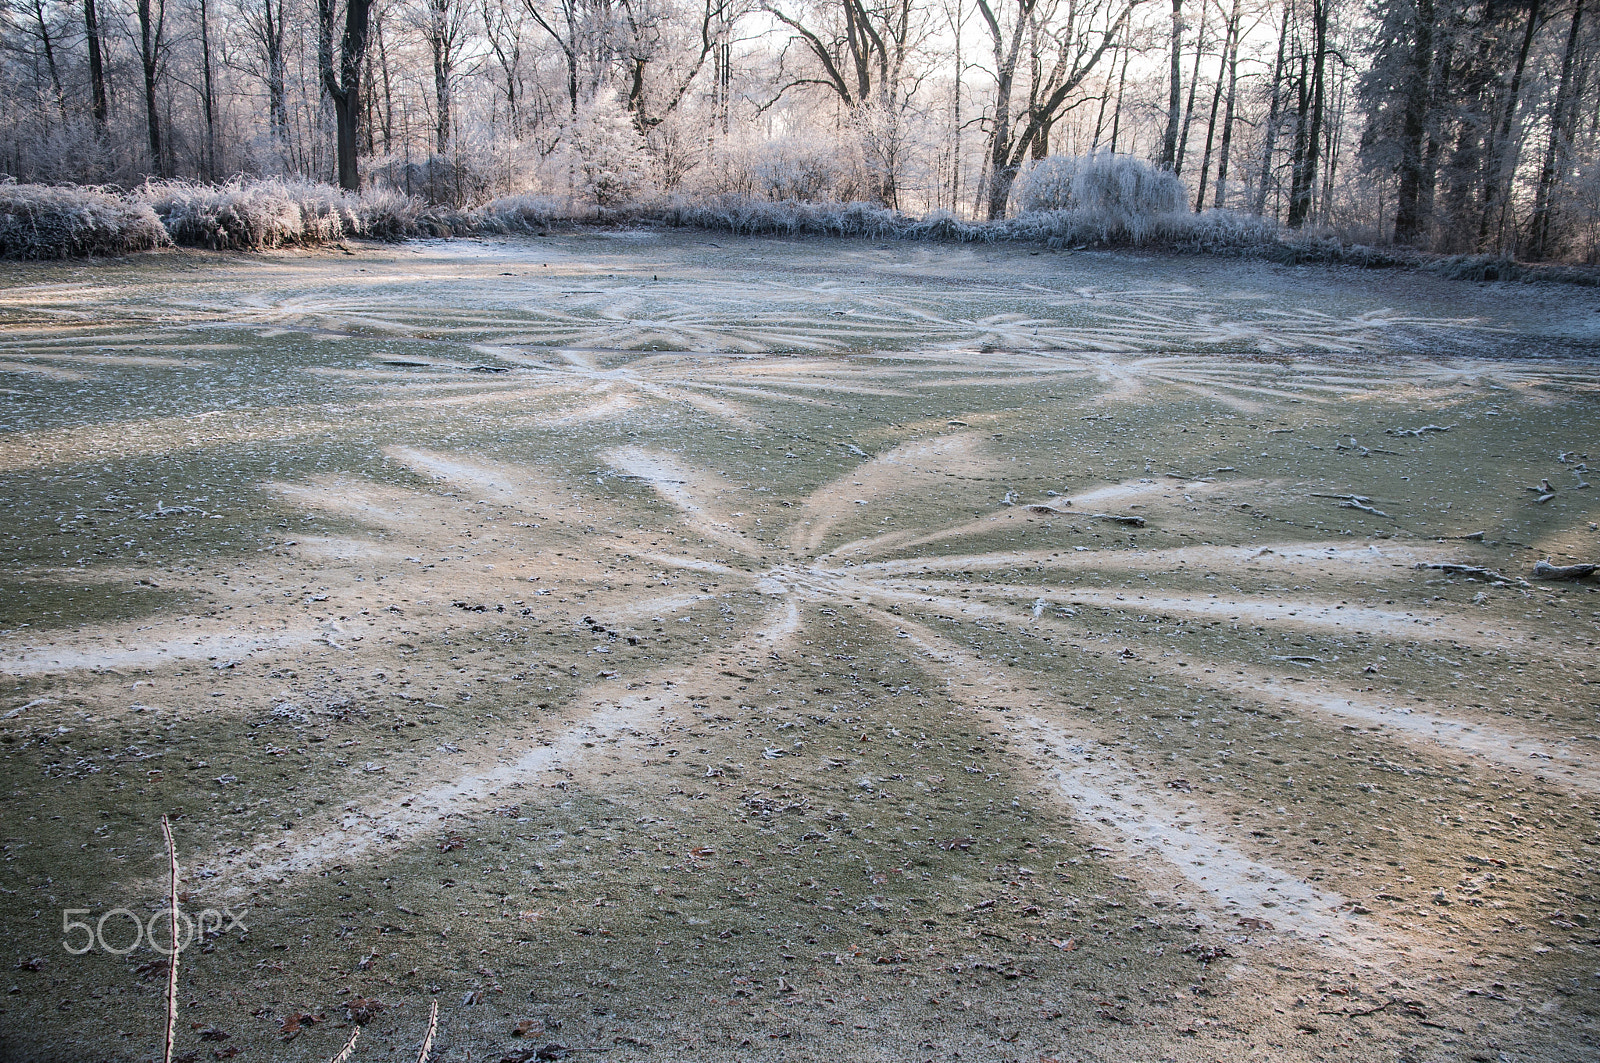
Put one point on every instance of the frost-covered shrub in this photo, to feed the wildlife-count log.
(39, 221)
(801, 170)
(520, 214)
(1119, 190)
(751, 215)
(252, 215)
(610, 164)
(439, 179)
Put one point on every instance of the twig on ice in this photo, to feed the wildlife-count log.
(427, 1041)
(172, 957)
(1452, 568)
(1545, 570)
(349, 1047)
(1355, 502)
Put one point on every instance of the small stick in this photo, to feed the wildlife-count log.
(427, 1042)
(172, 957)
(1546, 570)
(349, 1046)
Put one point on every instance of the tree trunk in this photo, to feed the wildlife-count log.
(1498, 176)
(1330, 150)
(1227, 121)
(1169, 142)
(1100, 116)
(1409, 214)
(388, 93)
(1216, 105)
(97, 71)
(1274, 114)
(1122, 84)
(209, 90)
(955, 149)
(1302, 121)
(151, 24)
(272, 34)
(1304, 191)
(1194, 82)
(343, 86)
(1555, 150)
(50, 58)
(439, 39)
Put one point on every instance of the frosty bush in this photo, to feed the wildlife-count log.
(38, 221)
(1120, 189)
(751, 215)
(803, 171)
(252, 215)
(438, 179)
(610, 164)
(520, 214)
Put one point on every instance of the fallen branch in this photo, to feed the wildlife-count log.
(172, 957)
(427, 1041)
(1361, 502)
(1420, 431)
(1545, 570)
(1452, 568)
(349, 1047)
(1355, 1014)
(1118, 518)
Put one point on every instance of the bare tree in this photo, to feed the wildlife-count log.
(649, 44)
(444, 27)
(342, 84)
(265, 27)
(152, 52)
(99, 103)
(1078, 38)
(1229, 46)
(1563, 119)
(1169, 142)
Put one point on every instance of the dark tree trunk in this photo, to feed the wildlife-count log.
(49, 46)
(1122, 84)
(1169, 142)
(343, 86)
(1303, 193)
(1498, 176)
(151, 24)
(1302, 120)
(97, 71)
(1409, 213)
(209, 90)
(1555, 150)
(1274, 114)
(1194, 82)
(1227, 121)
(1216, 105)
(272, 36)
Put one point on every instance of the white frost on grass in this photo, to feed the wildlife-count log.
(1520, 752)
(391, 823)
(1116, 802)
(1148, 823)
(125, 651)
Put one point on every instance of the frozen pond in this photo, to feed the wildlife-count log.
(696, 647)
